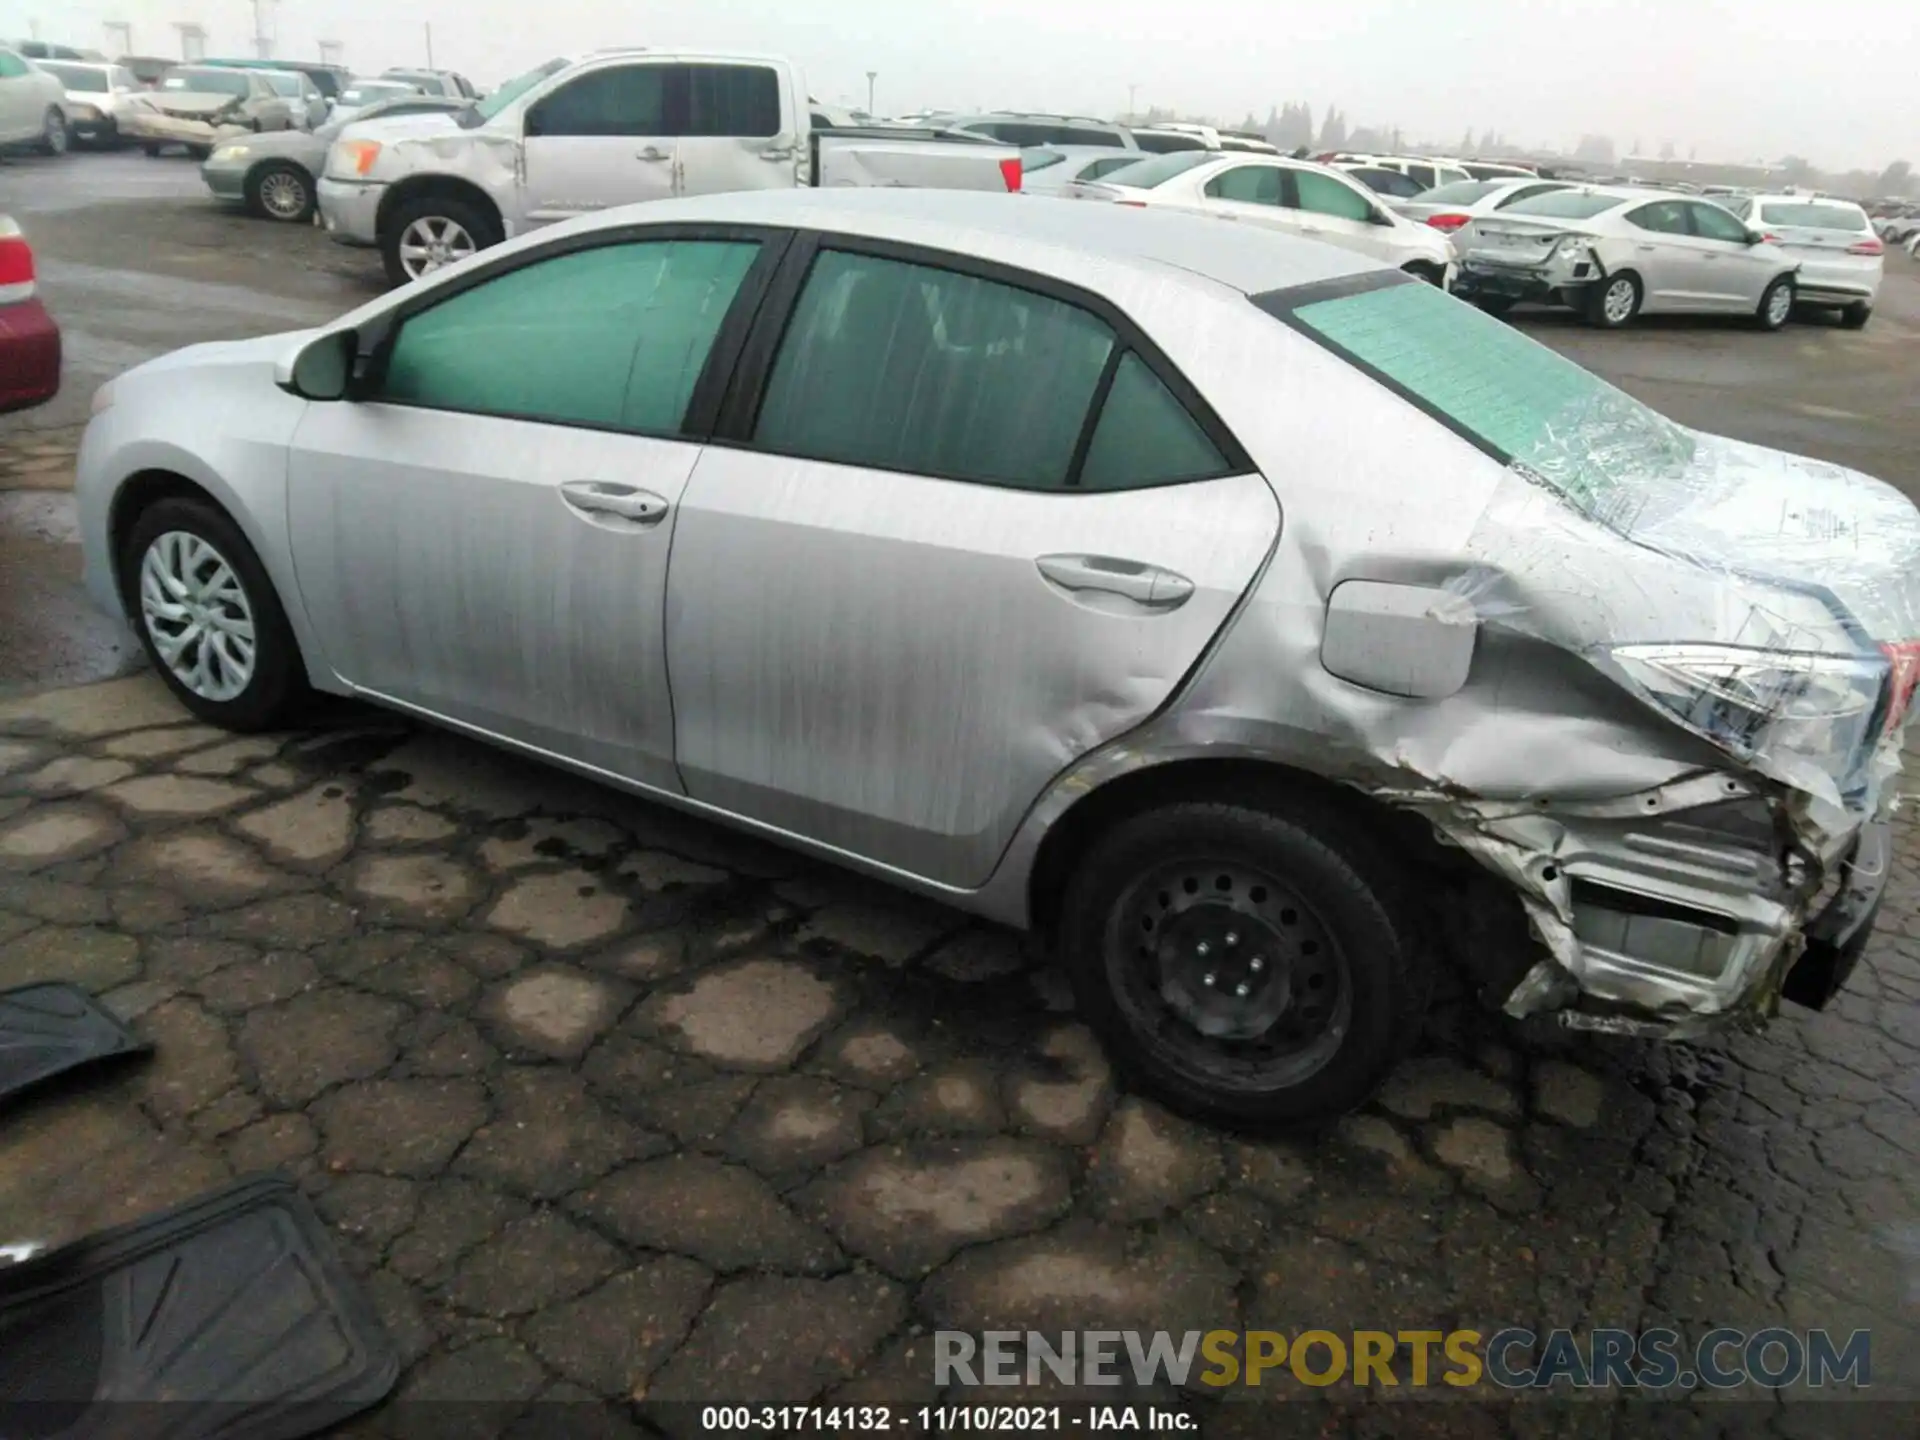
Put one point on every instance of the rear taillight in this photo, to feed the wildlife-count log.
(1132, 204)
(16, 267)
(1010, 172)
(1770, 239)
(1867, 247)
(1448, 223)
(1904, 659)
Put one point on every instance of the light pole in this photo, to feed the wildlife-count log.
(872, 75)
(1131, 91)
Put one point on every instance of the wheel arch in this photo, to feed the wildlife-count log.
(157, 480)
(417, 187)
(1243, 780)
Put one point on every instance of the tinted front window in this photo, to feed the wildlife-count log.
(1387, 182)
(1421, 175)
(1149, 174)
(741, 100)
(620, 100)
(1567, 205)
(1599, 448)
(288, 85)
(614, 337)
(1461, 192)
(1105, 165)
(368, 94)
(77, 77)
(1815, 217)
(1247, 184)
(908, 367)
(1325, 195)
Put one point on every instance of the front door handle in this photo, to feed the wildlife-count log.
(653, 152)
(1149, 586)
(1649, 249)
(778, 153)
(628, 502)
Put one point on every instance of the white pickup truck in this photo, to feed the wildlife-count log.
(613, 128)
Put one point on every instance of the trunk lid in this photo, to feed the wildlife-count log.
(1510, 240)
(194, 104)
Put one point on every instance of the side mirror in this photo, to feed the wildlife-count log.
(1754, 237)
(1379, 217)
(324, 370)
(535, 123)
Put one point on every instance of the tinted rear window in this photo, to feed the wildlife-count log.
(1566, 205)
(736, 100)
(1148, 174)
(1815, 217)
(1032, 160)
(1168, 144)
(1523, 403)
(1460, 192)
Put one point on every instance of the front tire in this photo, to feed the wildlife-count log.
(1776, 304)
(281, 191)
(208, 616)
(1420, 270)
(1246, 966)
(54, 136)
(152, 150)
(1615, 301)
(422, 235)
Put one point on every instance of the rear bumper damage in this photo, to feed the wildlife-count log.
(1678, 911)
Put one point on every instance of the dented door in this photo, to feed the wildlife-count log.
(897, 665)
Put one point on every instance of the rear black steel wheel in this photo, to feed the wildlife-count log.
(1245, 965)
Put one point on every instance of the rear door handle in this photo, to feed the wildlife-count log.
(628, 502)
(1149, 586)
(653, 152)
(778, 153)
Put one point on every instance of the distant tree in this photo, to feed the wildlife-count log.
(1666, 150)
(1396, 142)
(1796, 170)
(1638, 149)
(1467, 147)
(1368, 138)
(1597, 149)
(1303, 125)
(1252, 122)
(1896, 179)
(1333, 130)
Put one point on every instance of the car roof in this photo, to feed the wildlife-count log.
(1770, 197)
(1045, 235)
(1088, 152)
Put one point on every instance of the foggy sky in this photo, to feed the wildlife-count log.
(1738, 80)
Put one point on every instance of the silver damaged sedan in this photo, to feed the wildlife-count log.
(1265, 628)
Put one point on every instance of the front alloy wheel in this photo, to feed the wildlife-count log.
(197, 614)
(53, 132)
(433, 241)
(208, 616)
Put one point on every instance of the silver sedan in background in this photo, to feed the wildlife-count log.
(276, 176)
(939, 535)
(1612, 254)
(1841, 258)
(1449, 207)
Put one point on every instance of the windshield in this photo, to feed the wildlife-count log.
(1460, 192)
(1815, 217)
(77, 77)
(367, 94)
(1532, 408)
(1148, 174)
(207, 82)
(1566, 205)
(284, 84)
(482, 111)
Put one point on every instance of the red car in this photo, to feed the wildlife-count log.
(29, 339)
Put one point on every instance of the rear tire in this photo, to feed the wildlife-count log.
(1495, 305)
(175, 547)
(1855, 317)
(1776, 304)
(1420, 270)
(1251, 967)
(1615, 301)
(199, 152)
(152, 150)
(464, 226)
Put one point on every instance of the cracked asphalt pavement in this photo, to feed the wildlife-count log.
(603, 1103)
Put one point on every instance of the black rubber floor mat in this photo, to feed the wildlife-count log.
(227, 1318)
(47, 1030)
